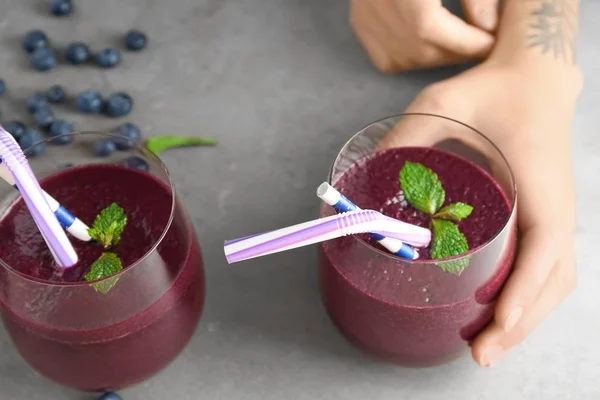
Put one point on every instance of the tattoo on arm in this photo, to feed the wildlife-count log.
(553, 28)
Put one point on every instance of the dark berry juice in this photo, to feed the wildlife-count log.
(413, 313)
(86, 339)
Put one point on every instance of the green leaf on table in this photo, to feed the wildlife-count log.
(108, 226)
(422, 187)
(448, 241)
(158, 144)
(106, 265)
(455, 211)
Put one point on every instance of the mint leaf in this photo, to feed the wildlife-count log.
(455, 211)
(422, 187)
(106, 265)
(455, 267)
(108, 226)
(448, 241)
(160, 143)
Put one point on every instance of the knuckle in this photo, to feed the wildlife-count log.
(434, 98)
(423, 24)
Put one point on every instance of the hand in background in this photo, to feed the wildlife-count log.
(402, 35)
(527, 113)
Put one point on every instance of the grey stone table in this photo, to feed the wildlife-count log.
(282, 84)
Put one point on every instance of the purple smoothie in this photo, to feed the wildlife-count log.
(415, 314)
(89, 340)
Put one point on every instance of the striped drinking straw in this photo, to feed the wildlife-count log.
(34, 198)
(342, 204)
(323, 229)
(72, 224)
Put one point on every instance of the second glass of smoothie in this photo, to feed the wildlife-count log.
(62, 326)
(414, 313)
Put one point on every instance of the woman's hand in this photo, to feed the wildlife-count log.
(401, 35)
(528, 116)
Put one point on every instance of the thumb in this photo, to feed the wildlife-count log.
(454, 34)
(428, 120)
(484, 14)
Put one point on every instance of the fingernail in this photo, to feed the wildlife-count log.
(492, 355)
(513, 318)
(488, 19)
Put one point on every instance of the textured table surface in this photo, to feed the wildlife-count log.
(282, 84)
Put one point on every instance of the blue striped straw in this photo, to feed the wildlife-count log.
(72, 224)
(55, 237)
(341, 204)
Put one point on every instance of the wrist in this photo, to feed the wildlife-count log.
(542, 77)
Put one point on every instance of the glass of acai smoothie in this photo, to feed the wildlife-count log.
(107, 333)
(421, 312)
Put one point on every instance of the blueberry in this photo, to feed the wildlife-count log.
(77, 53)
(56, 94)
(118, 105)
(32, 140)
(89, 102)
(104, 147)
(110, 396)
(43, 59)
(59, 132)
(108, 58)
(15, 128)
(35, 39)
(43, 117)
(64, 166)
(2, 87)
(135, 162)
(128, 136)
(135, 40)
(61, 8)
(35, 102)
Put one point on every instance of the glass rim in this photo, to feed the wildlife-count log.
(138, 148)
(471, 252)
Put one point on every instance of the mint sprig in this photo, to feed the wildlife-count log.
(106, 265)
(108, 226)
(455, 211)
(423, 190)
(107, 229)
(158, 144)
(421, 187)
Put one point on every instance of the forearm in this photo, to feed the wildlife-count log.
(539, 36)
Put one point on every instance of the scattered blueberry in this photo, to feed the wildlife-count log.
(56, 94)
(2, 87)
(118, 105)
(15, 128)
(59, 132)
(128, 136)
(43, 59)
(135, 162)
(104, 147)
(33, 142)
(135, 40)
(35, 102)
(89, 102)
(77, 53)
(108, 57)
(43, 117)
(35, 39)
(110, 396)
(61, 8)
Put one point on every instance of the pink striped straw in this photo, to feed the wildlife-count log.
(323, 229)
